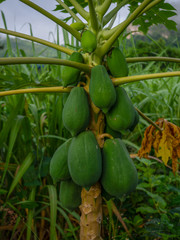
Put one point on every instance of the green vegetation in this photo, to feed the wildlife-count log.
(33, 131)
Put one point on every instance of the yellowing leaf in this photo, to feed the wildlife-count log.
(166, 143)
(165, 150)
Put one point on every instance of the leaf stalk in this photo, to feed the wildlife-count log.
(71, 30)
(38, 40)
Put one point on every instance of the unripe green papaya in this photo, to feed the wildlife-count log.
(136, 120)
(78, 25)
(70, 195)
(88, 41)
(84, 159)
(76, 113)
(101, 88)
(121, 115)
(119, 174)
(58, 164)
(117, 63)
(70, 75)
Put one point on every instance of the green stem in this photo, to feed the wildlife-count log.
(148, 119)
(110, 15)
(38, 40)
(121, 27)
(43, 60)
(102, 9)
(79, 9)
(69, 11)
(93, 16)
(148, 59)
(71, 30)
(129, 79)
(36, 90)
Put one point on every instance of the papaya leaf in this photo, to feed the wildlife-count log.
(159, 14)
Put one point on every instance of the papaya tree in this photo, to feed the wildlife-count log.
(97, 108)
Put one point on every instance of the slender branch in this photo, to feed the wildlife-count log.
(110, 15)
(93, 16)
(121, 27)
(35, 90)
(69, 11)
(71, 30)
(80, 10)
(43, 60)
(147, 59)
(148, 119)
(153, 158)
(118, 215)
(38, 40)
(129, 79)
(102, 9)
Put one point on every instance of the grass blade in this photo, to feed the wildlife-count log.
(53, 211)
(12, 139)
(23, 168)
(30, 214)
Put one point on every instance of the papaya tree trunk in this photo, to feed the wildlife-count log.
(91, 213)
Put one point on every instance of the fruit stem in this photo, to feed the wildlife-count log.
(80, 10)
(44, 60)
(129, 79)
(71, 30)
(38, 40)
(69, 11)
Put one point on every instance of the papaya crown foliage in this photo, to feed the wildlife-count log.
(160, 13)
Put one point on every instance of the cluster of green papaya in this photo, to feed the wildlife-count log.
(80, 162)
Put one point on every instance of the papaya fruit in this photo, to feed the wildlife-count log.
(88, 41)
(76, 112)
(58, 164)
(135, 122)
(84, 159)
(121, 115)
(116, 63)
(101, 88)
(78, 26)
(119, 174)
(70, 195)
(71, 75)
